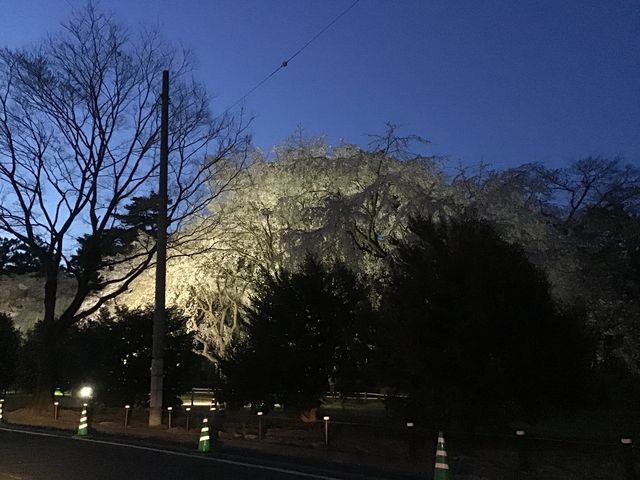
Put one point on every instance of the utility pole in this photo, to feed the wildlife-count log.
(160, 314)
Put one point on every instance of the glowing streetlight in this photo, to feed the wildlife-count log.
(86, 392)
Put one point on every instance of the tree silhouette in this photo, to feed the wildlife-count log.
(17, 258)
(9, 345)
(113, 353)
(304, 328)
(79, 127)
(471, 330)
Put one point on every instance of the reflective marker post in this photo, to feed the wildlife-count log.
(441, 467)
(1, 408)
(413, 453)
(214, 423)
(83, 427)
(629, 462)
(259, 425)
(523, 454)
(326, 420)
(204, 445)
(126, 415)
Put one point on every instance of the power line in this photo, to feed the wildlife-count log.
(285, 63)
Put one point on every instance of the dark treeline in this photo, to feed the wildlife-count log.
(490, 308)
(465, 326)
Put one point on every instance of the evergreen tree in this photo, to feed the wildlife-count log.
(17, 257)
(305, 328)
(9, 345)
(471, 331)
(113, 353)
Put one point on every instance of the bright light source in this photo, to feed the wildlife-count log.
(86, 392)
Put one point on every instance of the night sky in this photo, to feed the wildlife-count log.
(504, 82)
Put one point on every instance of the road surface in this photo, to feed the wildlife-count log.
(31, 454)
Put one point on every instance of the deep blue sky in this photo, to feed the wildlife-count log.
(506, 82)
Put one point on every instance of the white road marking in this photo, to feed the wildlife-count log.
(40, 434)
(180, 454)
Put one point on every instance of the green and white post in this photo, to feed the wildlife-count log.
(204, 445)
(83, 428)
(442, 464)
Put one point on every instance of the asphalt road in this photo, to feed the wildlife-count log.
(30, 455)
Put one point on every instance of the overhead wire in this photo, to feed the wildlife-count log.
(285, 62)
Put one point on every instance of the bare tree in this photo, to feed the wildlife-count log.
(592, 182)
(79, 130)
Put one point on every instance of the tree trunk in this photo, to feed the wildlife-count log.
(42, 398)
(46, 350)
(46, 345)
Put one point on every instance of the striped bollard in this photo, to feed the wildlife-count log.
(83, 428)
(204, 445)
(1, 408)
(442, 464)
